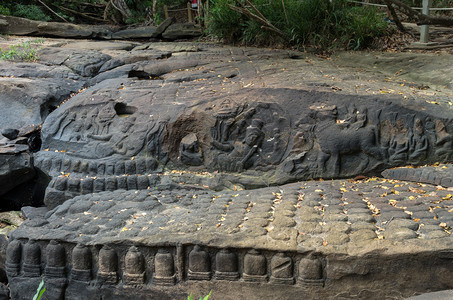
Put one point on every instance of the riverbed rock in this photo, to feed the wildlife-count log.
(232, 242)
(22, 26)
(177, 168)
(182, 31)
(143, 32)
(15, 170)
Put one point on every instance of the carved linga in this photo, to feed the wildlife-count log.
(23, 260)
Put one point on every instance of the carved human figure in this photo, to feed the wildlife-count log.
(90, 122)
(418, 143)
(77, 128)
(230, 121)
(70, 118)
(245, 154)
(125, 142)
(444, 142)
(224, 112)
(399, 144)
(105, 118)
(55, 128)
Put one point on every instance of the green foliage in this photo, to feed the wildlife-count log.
(4, 10)
(319, 23)
(191, 297)
(225, 23)
(25, 51)
(40, 291)
(32, 12)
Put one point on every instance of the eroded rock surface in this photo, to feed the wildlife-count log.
(169, 168)
(323, 239)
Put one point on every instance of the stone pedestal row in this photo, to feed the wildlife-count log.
(52, 163)
(25, 260)
(90, 185)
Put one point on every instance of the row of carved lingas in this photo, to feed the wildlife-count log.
(255, 265)
(96, 168)
(90, 185)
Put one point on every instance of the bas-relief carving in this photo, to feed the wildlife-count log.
(142, 267)
(229, 136)
(93, 132)
(337, 137)
(247, 137)
(329, 143)
(444, 142)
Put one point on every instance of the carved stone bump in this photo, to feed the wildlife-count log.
(226, 265)
(282, 269)
(135, 267)
(81, 263)
(56, 260)
(32, 259)
(164, 268)
(13, 258)
(108, 265)
(311, 271)
(255, 267)
(199, 264)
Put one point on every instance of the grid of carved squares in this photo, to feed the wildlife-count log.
(24, 259)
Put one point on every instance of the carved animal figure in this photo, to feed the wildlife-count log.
(335, 140)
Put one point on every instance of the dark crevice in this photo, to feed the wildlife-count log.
(123, 110)
(143, 75)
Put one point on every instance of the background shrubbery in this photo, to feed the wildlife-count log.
(319, 23)
(324, 24)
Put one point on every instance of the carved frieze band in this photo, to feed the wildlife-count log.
(138, 265)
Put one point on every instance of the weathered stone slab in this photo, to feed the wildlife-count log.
(437, 175)
(14, 170)
(100, 45)
(183, 237)
(168, 174)
(25, 101)
(21, 26)
(143, 32)
(251, 132)
(182, 31)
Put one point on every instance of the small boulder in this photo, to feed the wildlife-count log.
(10, 133)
